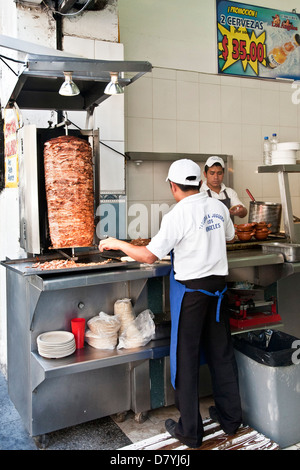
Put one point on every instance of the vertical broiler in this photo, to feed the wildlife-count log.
(59, 189)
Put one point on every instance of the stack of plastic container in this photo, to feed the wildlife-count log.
(275, 153)
(286, 153)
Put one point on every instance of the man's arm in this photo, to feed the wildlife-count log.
(138, 253)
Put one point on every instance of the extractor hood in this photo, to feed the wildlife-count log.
(42, 73)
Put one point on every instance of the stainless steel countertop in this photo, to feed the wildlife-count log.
(52, 281)
(252, 257)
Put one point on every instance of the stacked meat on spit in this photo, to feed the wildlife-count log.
(69, 191)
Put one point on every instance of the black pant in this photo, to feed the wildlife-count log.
(198, 330)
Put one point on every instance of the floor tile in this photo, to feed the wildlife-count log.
(101, 434)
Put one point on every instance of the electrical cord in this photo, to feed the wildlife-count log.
(12, 70)
(2, 57)
(102, 143)
(74, 14)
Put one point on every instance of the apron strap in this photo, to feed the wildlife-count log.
(218, 294)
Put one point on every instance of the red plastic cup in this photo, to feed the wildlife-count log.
(78, 329)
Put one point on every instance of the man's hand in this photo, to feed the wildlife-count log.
(138, 253)
(239, 211)
(110, 244)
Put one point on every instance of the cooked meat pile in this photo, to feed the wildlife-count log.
(69, 191)
(141, 241)
(65, 263)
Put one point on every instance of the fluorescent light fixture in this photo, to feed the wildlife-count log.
(69, 88)
(113, 87)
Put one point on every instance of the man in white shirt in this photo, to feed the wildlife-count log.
(214, 186)
(195, 232)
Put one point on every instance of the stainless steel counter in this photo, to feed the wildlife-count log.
(252, 257)
(90, 383)
(50, 280)
(259, 268)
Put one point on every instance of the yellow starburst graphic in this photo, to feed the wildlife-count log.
(237, 45)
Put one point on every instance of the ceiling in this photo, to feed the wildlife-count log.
(42, 74)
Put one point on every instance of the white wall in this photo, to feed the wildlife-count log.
(185, 106)
(176, 34)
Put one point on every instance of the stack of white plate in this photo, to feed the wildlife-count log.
(56, 344)
(286, 153)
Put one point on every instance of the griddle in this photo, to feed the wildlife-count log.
(25, 267)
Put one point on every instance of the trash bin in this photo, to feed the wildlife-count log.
(269, 380)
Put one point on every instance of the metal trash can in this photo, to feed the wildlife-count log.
(269, 380)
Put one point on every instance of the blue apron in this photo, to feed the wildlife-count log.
(177, 291)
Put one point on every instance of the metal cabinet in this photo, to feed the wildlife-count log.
(51, 394)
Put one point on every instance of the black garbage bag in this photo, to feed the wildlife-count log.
(268, 347)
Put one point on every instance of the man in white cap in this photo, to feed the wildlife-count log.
(214, 186)
(195, 232)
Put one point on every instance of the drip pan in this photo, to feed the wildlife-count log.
(30, 266)
(290, 251)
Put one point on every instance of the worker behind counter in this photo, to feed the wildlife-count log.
(214, 173)
(195, 232)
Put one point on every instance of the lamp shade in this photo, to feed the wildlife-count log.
(69, 88)
(113, 87)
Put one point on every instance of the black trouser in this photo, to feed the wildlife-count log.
(198, 329)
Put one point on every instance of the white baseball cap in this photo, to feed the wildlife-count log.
(184, 171)
(211, 161)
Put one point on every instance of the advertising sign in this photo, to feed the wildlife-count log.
(11, 125)
(257, 42)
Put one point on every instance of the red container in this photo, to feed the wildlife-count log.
(78, 330)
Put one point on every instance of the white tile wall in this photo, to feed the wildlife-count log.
(172, 110)
(108, 117)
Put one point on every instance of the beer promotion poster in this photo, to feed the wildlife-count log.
(259, 42)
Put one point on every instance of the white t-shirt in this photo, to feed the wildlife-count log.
(197, 229)
(232, 194)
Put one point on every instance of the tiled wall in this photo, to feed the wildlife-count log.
(176, 111)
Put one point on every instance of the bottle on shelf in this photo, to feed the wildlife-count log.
(274, 141)
(279, 54)
(267, 155)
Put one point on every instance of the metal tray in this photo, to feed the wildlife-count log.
(24, 266)
(290, 251)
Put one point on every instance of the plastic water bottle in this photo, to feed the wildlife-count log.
(267, 155)
(274, 141)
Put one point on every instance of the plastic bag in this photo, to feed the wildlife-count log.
(104, 341)
(268, 347)
(103, 331)
(104, 324)
(124, 311)
(139, 332)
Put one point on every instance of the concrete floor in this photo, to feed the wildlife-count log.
(101, 434)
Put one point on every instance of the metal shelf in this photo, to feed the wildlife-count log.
(283, 171)
(277, 168)
(89, 358)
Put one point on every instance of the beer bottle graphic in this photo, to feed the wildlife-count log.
(279, 54)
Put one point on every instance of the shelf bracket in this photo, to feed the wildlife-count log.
(286, 206)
